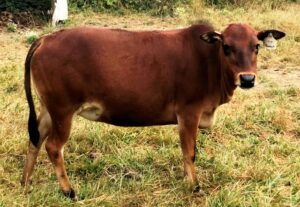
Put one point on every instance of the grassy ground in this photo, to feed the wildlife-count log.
(251, 157)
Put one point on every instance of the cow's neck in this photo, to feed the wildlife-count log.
(226, 80)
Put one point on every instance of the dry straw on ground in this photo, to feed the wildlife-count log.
(250, 158)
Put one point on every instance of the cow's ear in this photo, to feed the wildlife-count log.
(276, 34)
(211, 37)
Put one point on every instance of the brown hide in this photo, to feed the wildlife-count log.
(140, 78)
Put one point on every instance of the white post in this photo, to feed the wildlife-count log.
(60, 12)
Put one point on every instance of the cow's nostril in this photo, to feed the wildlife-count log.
(247, 80)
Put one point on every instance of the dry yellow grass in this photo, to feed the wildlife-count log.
(250, 158)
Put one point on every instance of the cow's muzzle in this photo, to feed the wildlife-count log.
(247, 80)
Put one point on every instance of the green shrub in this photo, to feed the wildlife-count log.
(25, 5)
(11, 27)
(248, 3)
(31, 37)
(156, 7)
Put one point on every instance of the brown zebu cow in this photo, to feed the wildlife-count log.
(135, 79)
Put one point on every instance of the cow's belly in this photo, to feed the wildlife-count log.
(119, 116)
(207, 119)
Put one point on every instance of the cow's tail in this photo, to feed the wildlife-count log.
(33, 131)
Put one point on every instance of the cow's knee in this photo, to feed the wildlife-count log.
(52, 150)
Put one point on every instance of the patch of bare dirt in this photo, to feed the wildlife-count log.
(282, 77)
(130, 22)
(13, 48)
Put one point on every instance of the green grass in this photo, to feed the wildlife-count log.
(251, 157)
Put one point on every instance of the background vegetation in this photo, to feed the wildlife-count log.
(248, 3)
(167, 7)
(251, 157)
(155, 7)
(24, 5)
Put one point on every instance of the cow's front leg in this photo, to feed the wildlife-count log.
(188, 126)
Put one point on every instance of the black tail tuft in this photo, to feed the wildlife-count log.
(34, 134)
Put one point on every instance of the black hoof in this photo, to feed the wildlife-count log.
(70, 194)
(23, 183)
(196, 188)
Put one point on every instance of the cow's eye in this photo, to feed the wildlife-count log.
(257, 48)
(227, 49)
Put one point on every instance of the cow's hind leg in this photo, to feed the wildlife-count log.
(44, 123)
(188, 127)
(54, 146)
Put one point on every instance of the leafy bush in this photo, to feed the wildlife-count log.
(31, 37)
(11, 27)
(246, 3)
(156, 7)
(25, 5)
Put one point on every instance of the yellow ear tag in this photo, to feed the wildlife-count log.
(270, 42)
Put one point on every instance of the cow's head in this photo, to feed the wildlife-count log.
(239, 49)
